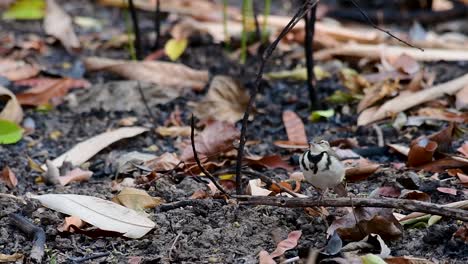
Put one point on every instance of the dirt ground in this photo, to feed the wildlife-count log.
(212, 231)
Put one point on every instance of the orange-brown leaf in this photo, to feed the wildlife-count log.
(294, 128)
(9, 177)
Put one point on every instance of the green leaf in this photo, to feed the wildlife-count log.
(340, 97)
(317, 115)
(9, 132)
(433, 220)
(299, 74)
(174, 48)
(26, 10)
(372, 259)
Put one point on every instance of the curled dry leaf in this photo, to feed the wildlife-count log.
(103, 214)
(445, 137)
(83, 151)
(255, 188)
(287, 244)
(12, 110)
(226, 100)
(136, 199)
(360, 169)
(9, 177)
(69, 221)
(165, 162)
(371, 221)
(59, 24)
(378, 92)
(163, 73)
(271, 161)
(75, 175)
(421, 152)
(17, 70)
(48, 91)
(217, 137)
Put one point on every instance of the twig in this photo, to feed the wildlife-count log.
(258, 34)
(193, 202)
(266, 54)
(367, 18)
(195, 156)
(410, 205)
(145, 103)
(136, 30)
(37, 233)
(309, 54)
(173, 245)
(379, 133)
(157, 25)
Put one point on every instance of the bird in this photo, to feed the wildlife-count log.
(322, 168)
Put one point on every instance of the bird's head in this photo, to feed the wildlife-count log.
(318, 146)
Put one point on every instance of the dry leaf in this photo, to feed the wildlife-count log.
(136, 199)
(174, 131)
(165, 162)
(59, 24)
(12, 110)
(255, 188)
(377, 92)
(442, 114)
(11, 258)
(421, 152)
(407, 260)
(103, 214)
(163, 73)
(287, 244)
(75, 175)
(405, 63)
(444, 164)
(265, 258)
(446, 190)
(371, 221)
(464, 149)
(286, 144)
(69, 221)
(217, 137)
(271, 161)
(407, 100)
(461, 102)
(226, 100)
(9, 177)
(360, 169)
(48, 91)
(294, 128)
(83, 151)
(17, 70)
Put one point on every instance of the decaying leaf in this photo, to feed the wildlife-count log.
(445, 137)
(217, 137)
(255, 188)
(9, 177)
(226, 100)
(69, 221)
(265, 258)
(359, 169)
(163, 73)
(287, 244)
(17, 70)
(165, 162)
(377, 92)
(270, 161)
(59, 24)
(48, 91)
(136, 199)
(83, 151)
(12, 110)
(371, 221)
(103, 214)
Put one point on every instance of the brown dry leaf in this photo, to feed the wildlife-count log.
(287, 244)
(217, 137)
(415, 195)
(371, 221)
(286, 144)
(405, 101)
(444, 164)
(9, 177)
(405, 63)
(442, 114)
(173, 131)
(59, 24)
(445, 137)
(4, 258)
(256, 188)
(12, 110)
(136, 199)
(462, 233)
(294, 128)
(461, 102)
(165, 162)
(48, 91)
(464, 149)
(446, 190)
(69, 221)
(378, 92)
(271, 161)
(407, 260)
(360, 169)
(75, 175)
(265, 258)
(199, 194)
(17, 70)
(421, 152)
(226, 100)
(163, 73)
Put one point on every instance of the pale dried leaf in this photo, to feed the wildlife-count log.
(226, 100)
(165, 162)
(174, 131)
(75, 175)
(12, 110)
(287, 244)
(69, 221)
(163, 73)
(136, 199)
(255, 188)
(17, 70)
(461, 102)
(294, 127)
(265, 258)
(59, 24)
(9, 177)
(83, 151)
(103, 214)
